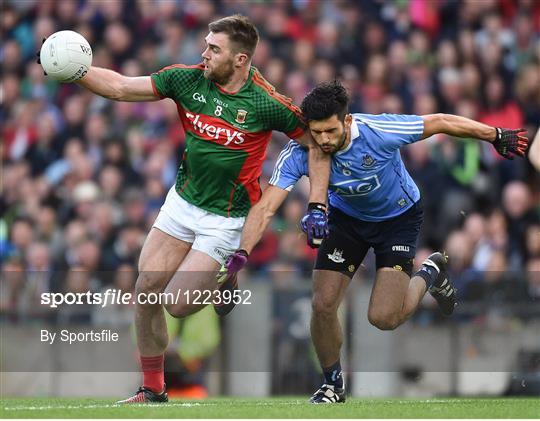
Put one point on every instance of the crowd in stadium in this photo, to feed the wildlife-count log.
(83, 178)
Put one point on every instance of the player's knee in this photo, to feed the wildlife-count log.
(384, 321)
(323, 306)
(178, 310)
(149, 282)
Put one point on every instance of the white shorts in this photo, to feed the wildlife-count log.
(212, 234)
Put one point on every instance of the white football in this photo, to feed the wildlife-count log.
(66, 56)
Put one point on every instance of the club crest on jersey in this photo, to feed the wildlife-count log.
(241, 116)
(336, 256)
(368, 161)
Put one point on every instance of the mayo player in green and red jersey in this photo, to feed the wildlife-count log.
(228, 112)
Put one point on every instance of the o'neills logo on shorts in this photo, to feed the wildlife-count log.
(400, 248)
(212, 129)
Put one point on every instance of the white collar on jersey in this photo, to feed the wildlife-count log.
(354, 134)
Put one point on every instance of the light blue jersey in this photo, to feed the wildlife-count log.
(368, 180)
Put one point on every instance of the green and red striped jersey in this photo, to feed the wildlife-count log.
(226, 136)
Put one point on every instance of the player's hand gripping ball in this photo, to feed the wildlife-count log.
(65, 56)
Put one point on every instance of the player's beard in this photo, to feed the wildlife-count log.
(339, 144)
(222, 74)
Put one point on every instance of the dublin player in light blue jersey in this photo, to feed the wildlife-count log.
(373, 202)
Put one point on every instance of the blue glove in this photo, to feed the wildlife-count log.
(315, 224)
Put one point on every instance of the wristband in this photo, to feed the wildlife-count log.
(498, 134)
(316, 205)
(242, 252)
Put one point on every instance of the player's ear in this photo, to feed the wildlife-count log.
(241, 59)
(348, 120)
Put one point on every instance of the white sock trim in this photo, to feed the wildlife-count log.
(429, 262)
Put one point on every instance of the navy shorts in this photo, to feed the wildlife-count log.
(393, 241)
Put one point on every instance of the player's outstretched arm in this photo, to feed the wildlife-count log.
(112, 85)
(319, 169)
(260, 216)
(505, 141)
(458, 126)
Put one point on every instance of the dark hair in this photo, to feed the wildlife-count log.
(325, 100)
(241, 31)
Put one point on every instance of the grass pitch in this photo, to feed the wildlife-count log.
(273, 408)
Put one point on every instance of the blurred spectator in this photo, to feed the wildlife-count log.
(516, 201)
(75, 233)
(74, 112)
(77, 281)
(532, 241)
(424, 171)
(460, 247)
(125, 248)
(533, 278)
(475, 228)
(110, 182)
(41, 276)
(11, 57)
(21, 236)
(134, 207)
(499, 110)
(528, 93)
(471, 83)
(13, 301)
(42, 153)
(496, 238)
(85, 195)
(265, 252)
(48, 231)
(87, 255)
(102, 222)
(117, 314)
(95, 134)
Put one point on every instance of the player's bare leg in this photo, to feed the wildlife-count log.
(415, 293)
(395, 297)
(196, 273)
(160, 257)
(388, 297)
(328, 290)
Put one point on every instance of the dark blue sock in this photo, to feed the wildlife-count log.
(428, 274)
(333, 375)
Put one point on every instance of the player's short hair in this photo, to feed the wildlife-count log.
(325, 100)
(241, 31)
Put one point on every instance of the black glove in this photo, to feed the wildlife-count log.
(508, 142)
(38, 56)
